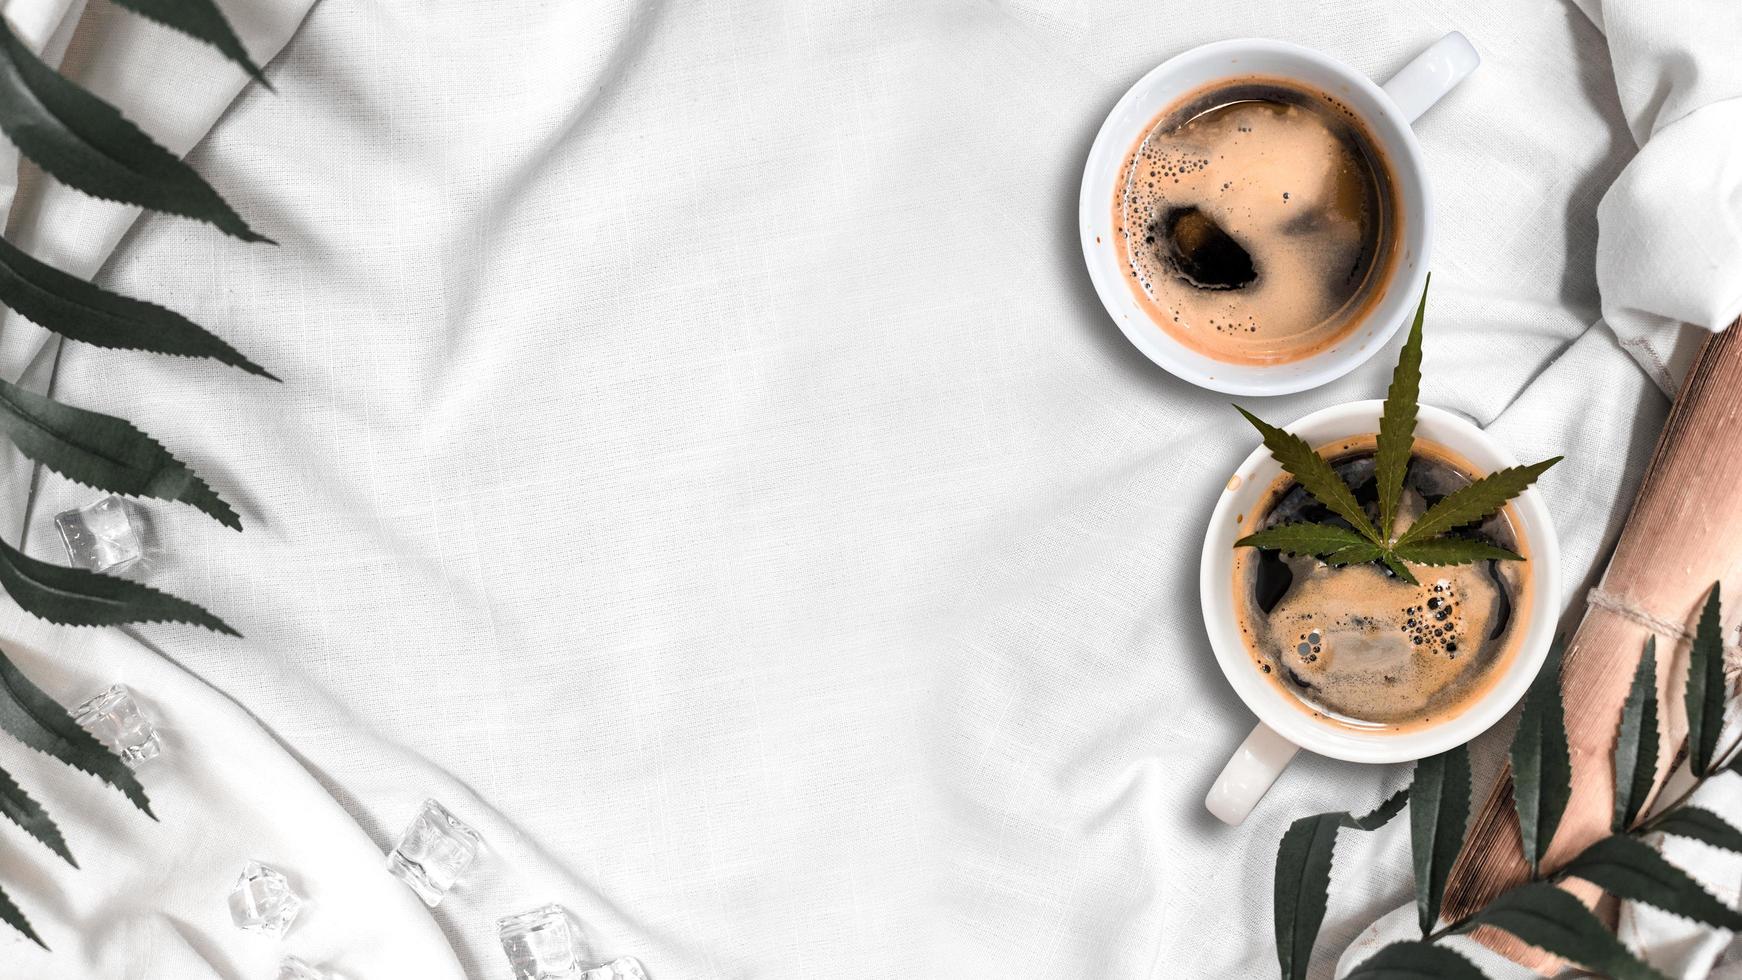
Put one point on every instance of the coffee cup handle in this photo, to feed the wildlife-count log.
(1433, 73)
(1246, 777)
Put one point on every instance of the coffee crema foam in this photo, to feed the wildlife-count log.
(1356, 645)
(1293, 180)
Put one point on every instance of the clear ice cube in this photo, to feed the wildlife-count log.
(541, 944)
(622, 968)
(263, 901)
(295, 969)
(102, 536)
(434, 852)
(115, 719)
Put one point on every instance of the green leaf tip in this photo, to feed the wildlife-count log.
(28, 714)
(1426, 540)
(1552, 920)
(1697, 823)
(1472, 503)
(13, 916)
(1396, 442)
(89, 145)
(202, 21)
(1303, 539)
(1415, 960)
(81, 311)
(1629, 868)
(17, 806)
(103, 451)
(1438, 817)
(1704, 695)
(1303, 879)
(75, 597)
(1636, 741)
(1314, 473)
(1541, 765)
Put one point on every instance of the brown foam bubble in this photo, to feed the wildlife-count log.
(1296, 181)
(1365, 649)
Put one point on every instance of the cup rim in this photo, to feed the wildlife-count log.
(1281, 712)
(1106, 155)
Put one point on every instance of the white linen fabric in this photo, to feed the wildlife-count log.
(703, 465)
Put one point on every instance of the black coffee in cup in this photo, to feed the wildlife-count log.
(1257, 220)
(1360, 646)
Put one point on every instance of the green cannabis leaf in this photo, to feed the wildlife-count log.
(1438, 814)
(77, 310)
(202, 21)
(13, 916)
(87, 144)
(1426, 540)
(1315, 474)
(1705, 688)
(17, 806)
(75, 597)
(1397, 421)
(103, 451)
(1415, 960)
(1303, 879)
(1636, 742)
(1452, 551)
(1555, 922)
(1470, 504)
(1696, 823)
(1305, 539)
(1627, 867)
(32, 717)
(1542, 771)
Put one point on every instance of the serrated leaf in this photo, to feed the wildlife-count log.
(1629, 868)
(1397, 422)
(1469, 504)
(1303, 879)
(1553, 921)
(1696, 823)
(104, 452)
(87, 144)
(14, 917)
(1314, 473)
(1541, 769)
(80, 311)
(202, 21)
(28, 714)
(1355, 554)
(1438, 816)
(1636, 742)
(1398, 568)
(75, 597)
(1451, 550)
(1413, 960)
(1380, 815)
(1303, 538)
(1705, 687)
(17, 806)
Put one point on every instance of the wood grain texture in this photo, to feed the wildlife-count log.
(1684, 533)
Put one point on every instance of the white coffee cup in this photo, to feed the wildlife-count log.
(1284, 727)
(1387, 112)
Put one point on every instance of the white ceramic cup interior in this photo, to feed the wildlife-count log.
(1387, 111)
(1283, 726)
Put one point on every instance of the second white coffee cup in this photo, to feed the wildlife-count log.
(1283, 726)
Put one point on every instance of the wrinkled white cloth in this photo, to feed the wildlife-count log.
(703, 465)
